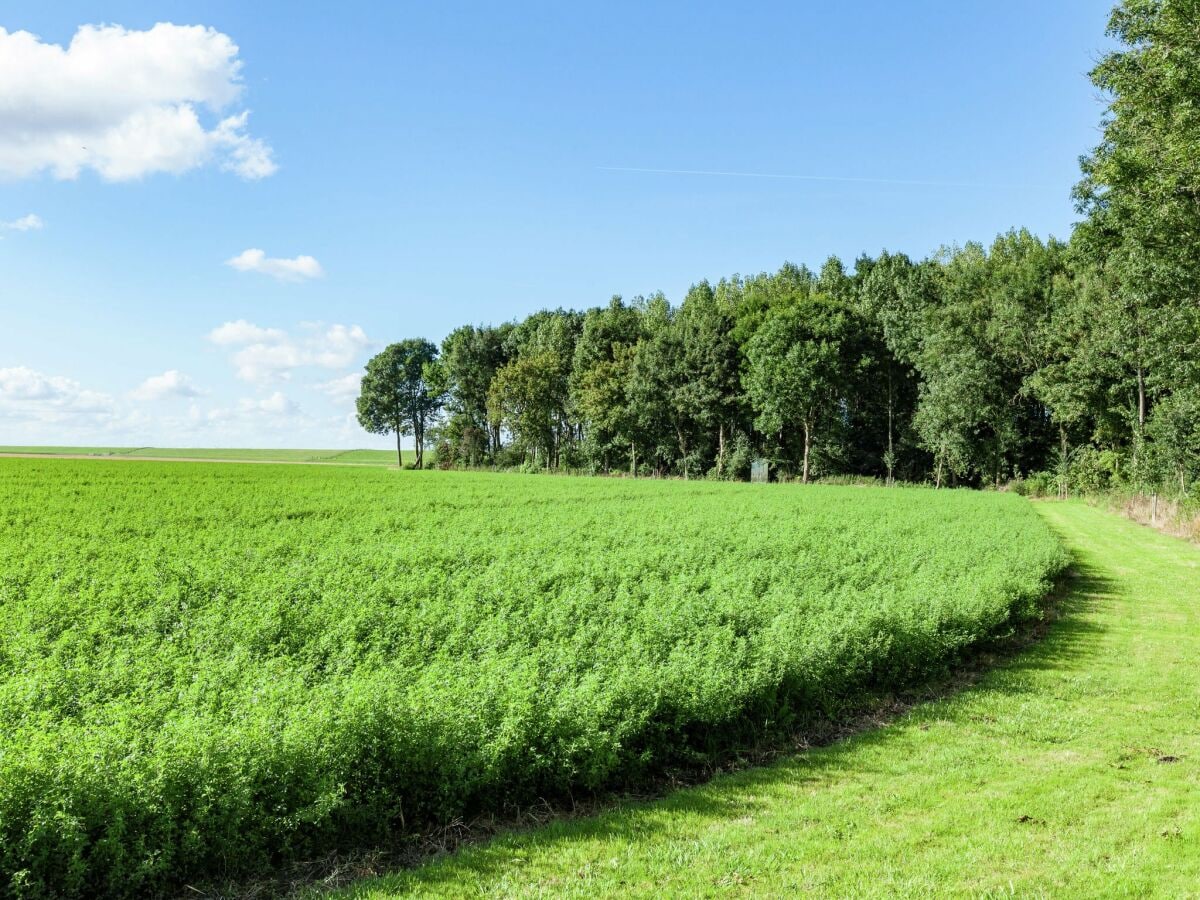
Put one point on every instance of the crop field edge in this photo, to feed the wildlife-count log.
(1038, 843)
(328, 876)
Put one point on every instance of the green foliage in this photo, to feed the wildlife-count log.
(1141, 193)
(470, 358)
(206, 670)
(402, 390)
(1069, 772)
(794, 372)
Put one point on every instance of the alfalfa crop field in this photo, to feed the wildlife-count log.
(209, 670)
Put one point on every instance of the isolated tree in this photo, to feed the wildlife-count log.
(401, 393)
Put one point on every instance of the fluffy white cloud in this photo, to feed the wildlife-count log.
(296, 269)
(251, 410)
(267, 354)
(276, 405)
(26, 395)
(338, 346)
(36, 408)
(171, 383)
(124, 103)
(31, 222)
(243, 332)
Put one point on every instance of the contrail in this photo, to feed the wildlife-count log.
(705, 172)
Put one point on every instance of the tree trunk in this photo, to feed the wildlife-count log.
(1141, 420)
(399, 455)
(1063, 486)
(807, 445)
(1141, 381)
(632, 459)
(938, 481)
(891, 456)
(721, 451)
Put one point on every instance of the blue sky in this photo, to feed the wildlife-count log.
(449, 163)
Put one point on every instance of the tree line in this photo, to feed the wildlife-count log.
(1076, 361)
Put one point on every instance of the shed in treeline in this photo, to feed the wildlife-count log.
(760, 471)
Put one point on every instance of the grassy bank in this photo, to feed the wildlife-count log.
(1072, 770)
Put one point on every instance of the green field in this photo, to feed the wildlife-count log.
(1073, 770)
(207, 670)
(235, 454)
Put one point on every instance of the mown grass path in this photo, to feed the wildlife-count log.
(1071, 770)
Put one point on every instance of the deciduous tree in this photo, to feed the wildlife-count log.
(400, 393)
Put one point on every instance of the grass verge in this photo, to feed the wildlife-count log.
(1071, 770)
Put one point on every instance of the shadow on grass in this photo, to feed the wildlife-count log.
(1065, 641)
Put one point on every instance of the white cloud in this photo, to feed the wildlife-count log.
(171, 383)
(277, 405)
(124, 104)
(296, 269)
(26, 395)
(269, 354)
(243, 332)
(338, 345)
(251, 410)
(342, 388)
(31, 222)
(36, 408)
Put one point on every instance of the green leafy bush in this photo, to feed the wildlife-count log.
(206, 670)
(1041, 484)
(1094, 471)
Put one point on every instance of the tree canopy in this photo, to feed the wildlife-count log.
(1076, 359)
(401, 392)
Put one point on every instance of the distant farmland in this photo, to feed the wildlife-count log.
(347, 457)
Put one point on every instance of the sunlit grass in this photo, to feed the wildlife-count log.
(1072, 770)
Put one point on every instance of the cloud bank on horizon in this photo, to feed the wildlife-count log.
(36, 407)
(125, 104)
